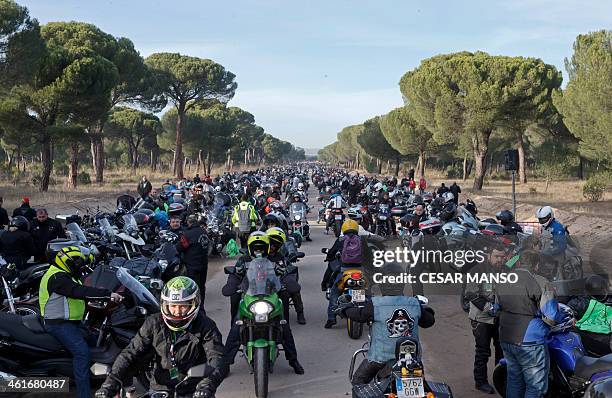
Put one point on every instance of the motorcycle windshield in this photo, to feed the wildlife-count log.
(297, 209)
(136, 287)
(76, 232)
(107, 230)
(129, 224)
(262, 278)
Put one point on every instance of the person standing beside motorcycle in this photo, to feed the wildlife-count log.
(244, 219)
(506, 219)
(43, 229)
(25, 210)
(62, 307)
(422, 185)
(16, 244)
(393, 315)
(179, 338)
(526, 312)
(144, 187)
(193, 248)
(483, 316)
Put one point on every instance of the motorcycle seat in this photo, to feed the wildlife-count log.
(588, 366)
(28, 272)
(28, 330)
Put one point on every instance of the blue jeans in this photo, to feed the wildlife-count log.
(68, 333)
(527, 370)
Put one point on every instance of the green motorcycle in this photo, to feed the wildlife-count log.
(261, 317)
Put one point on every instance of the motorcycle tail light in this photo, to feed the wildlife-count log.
(356, 275)
(361, 283)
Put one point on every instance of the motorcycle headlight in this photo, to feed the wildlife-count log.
(261, 310)
(163, 264)
(297, 217)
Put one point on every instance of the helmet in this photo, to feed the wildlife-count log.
(72, 260)
(19, 223)
(408, 219)
(297, 195)
(258, 242)
(276, 236)
(597, 287)
(270, 217)
(545, 215)
(175, 209)
(180, 290)
(354, 214)
(350, 226)
(218, 188)
(448, 197)
(505, 216)
(448, 212)
(378, 186)
(301, 186)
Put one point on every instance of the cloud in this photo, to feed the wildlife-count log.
(310, 118)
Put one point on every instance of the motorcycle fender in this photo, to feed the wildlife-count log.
(259, 343)
(440, 390)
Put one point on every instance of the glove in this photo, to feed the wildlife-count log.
(109, 388)
(491, 308)
(104, 393)
(323, 286)
(204, 392)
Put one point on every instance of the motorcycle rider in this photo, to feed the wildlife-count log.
(506, 219)
(62, 307)
(193, 248)
(297, 198)
(335, 202)
(553, 239)
(25, 210)
(392, 315)
(258, 246)
(16, 244)
(181, 337)
(419, 210)
(244, 219)
(175, 226)
(278, 254)
(43, 229)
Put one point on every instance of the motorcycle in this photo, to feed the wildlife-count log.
(404, 377)
(383, 221)
(297, 219)
(571, 369)
(27, 350)
(261, 317)
(338, 219)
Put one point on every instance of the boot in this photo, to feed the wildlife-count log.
(297, 367)
(300, 318)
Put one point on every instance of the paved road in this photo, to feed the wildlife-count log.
(325, 354)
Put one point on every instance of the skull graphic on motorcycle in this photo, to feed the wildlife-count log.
(400, 324)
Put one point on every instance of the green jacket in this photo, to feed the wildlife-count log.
(596, 318)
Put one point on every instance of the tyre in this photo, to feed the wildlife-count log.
(499, 379)
(354, 329)
(261, 369)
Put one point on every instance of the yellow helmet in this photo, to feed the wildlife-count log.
(277, 238)
(350, 225)
(258, 241)
(71, 259)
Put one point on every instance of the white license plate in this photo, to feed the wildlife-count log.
(338, 217)
(410, 387)
(357, 296)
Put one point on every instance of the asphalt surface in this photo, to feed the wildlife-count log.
(325, 354)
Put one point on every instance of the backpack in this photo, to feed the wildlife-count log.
(352, 252)
(244, 219)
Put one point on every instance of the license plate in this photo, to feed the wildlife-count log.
(410, 387)
(357, 296)
(338, 217)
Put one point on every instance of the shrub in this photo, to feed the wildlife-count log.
(454, 172)
(84, 178)
(594, 188)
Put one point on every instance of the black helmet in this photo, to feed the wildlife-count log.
(448, 212)
(409, 219)
(270, 217)
(505, 216)
(471, 207)
(19, 223)
(597, 287)
(176, 209)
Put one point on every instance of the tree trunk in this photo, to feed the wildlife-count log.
(178, 153)
(465, 167)
(397, 166)
(74, 165)
(520, 145)
(480, 142)
(97, 156)
(379, 166)
(199, 163)
(10, 158)
(421, 163)
(47, 163)
(581, 167)
(208, 162)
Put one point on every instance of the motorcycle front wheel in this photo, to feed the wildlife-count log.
(354, 329)
(261, 369)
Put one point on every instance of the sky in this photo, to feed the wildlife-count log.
(307, 69)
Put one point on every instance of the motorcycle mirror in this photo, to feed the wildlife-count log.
(100, 369)
(324, 250)
(422, 299)
(229, 270)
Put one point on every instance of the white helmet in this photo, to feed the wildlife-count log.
(217, 188)
(448, 197)
(545, 215)
(378, 186)
(300, 186)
